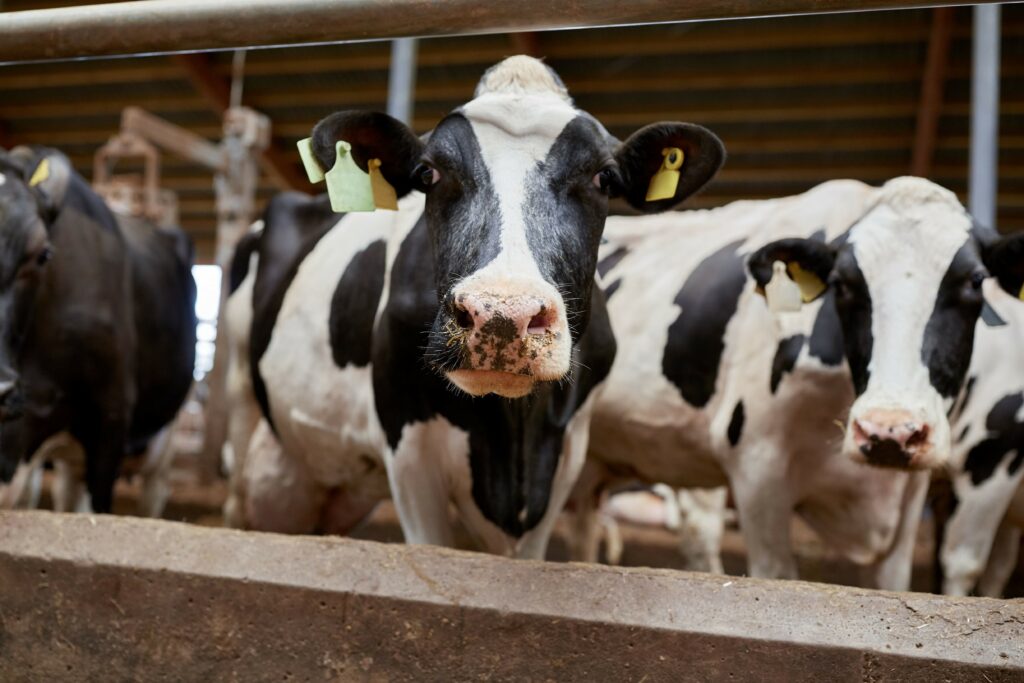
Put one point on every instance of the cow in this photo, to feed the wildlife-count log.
(449, 352)
(977, 549)
(97, 321)
(710, 387)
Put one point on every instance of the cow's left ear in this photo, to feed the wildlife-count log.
(1004, 259)
(373, 135)
(47, 173)
(650, 151)
(808, 263)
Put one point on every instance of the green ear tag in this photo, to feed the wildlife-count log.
(665, 182)
(348, 186)
(309, 162)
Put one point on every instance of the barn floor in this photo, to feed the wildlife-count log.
(644, 546)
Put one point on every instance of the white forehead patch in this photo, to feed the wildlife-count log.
(904, 245)
(521, 75)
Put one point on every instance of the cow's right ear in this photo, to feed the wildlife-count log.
(47, 173)
(808, 263)
(373, 135)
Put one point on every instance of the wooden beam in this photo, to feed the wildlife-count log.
(216, 90)
(932, 86)
(6, 138)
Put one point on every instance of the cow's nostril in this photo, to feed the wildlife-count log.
(463, 319)
(538, 323)
(918, 437)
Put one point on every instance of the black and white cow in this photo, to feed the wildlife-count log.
(457, 344)
(97, 321)
(980, 541)
(709, 387)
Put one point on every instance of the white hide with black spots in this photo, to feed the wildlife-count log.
(788, 454)
(981, 540)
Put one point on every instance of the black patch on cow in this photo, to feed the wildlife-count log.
(963, 434)
(949, 334)
(736, 424)
(608, 263)
(959, 405)
(354, 306)
(612, 288)
(826, 342)
(564, 215)
(293, 224)
(1005, 434)
(990, 317)
(696, 340)
(514, 444)
(785, 358)
(241, 259)
(853, 307)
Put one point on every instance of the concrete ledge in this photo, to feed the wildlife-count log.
(114, 598)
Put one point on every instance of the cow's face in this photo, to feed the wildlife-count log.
(907, 281)
(517, 183)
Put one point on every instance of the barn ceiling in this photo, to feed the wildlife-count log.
(796, 100)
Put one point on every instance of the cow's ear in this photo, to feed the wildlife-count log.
(652, 150)
(1004, 259)
(47, 172)
(373, 135)
(808, 263)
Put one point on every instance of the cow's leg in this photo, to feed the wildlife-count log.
(419, 481)
(282, 495)
(344, 510)
(18, 494)
(587, 496)
(68, 458)
(765, 511)
(156, 473)
(893, 569)
(971, 531)
(1001, 561)
(242, 422)
(701, 525)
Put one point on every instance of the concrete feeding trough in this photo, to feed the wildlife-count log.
(113, 598)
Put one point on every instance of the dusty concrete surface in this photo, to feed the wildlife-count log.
(107, 598)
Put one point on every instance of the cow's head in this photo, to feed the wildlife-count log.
(32, 184)
(517, 183)
(907, 280)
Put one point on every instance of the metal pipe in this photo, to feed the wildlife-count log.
(983, 181)
(402, 79)
(169, 26)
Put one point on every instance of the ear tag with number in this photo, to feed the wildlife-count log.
(41, 173)
(347, 185)
(783, 294)
(313, 170)
(810, 284)
(383, 194)
(666, 180)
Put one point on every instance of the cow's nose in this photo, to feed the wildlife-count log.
(889, 437)
(505, 317)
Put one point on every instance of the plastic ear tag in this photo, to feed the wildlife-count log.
(347, 185)
(383, 194)
(1020, 295)
(783, 294)
(666, 180)
(41, 173)
(313, 170)
(810, 284)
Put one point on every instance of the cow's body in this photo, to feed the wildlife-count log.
(703, 393)
(980, 540)
(106, 344)
(450, 351)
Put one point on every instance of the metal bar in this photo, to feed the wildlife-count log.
(932, 85)
(167, 26)
(114, 598)
(982, 185)
(402, 79)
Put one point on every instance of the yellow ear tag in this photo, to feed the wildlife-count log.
(347, 185)
(666, 180)
(782, 294)
(41, 173)
(309, 162)
(810, 284)
(1020, 295)
(383, 194)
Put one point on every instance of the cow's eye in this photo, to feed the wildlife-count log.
(603, 180)
(44, 255)
(978, 278)
(427, 175)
